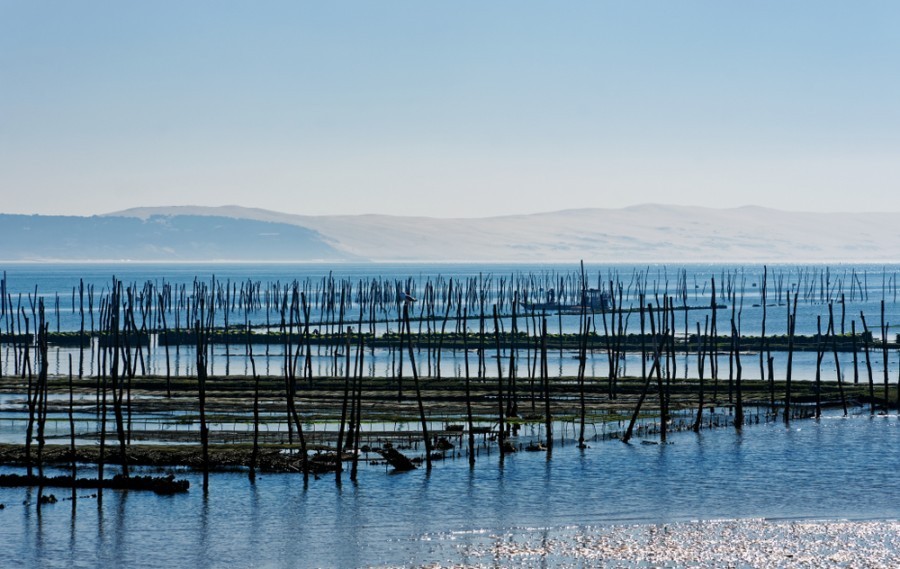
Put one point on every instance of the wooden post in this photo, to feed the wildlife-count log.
(701, 348)
(339, 467)
(501, 437)
(713, 341)
(72, 432)
(866, 336)
(31, 396)
(41, 396)
(254, 455)
(763, 352)
(201, 391)
(792, 323)
(855, 353)
(837, 362)
(358, 408)
(440, 346)
(415, 374)
(582, 361)
(465, 335)
(512, 406)
(116, 380)
(819, 354)
(884, 352)
(165, 327)
(660, 345)
(610, 352)
(654, 368)
(545, 378)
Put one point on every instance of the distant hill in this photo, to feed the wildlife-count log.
(647, 233)
(159, 238)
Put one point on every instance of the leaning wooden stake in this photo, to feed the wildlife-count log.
(653, 369)
(415, 374)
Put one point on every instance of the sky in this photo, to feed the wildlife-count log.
(448, 109)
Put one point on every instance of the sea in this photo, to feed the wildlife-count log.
(834, 468)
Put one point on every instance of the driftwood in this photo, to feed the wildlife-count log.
(396, 459)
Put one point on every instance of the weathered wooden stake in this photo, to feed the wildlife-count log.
(470, 427)
(415, 374)
(866, 336)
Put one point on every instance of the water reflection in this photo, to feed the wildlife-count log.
(379, 362)
(824, 469)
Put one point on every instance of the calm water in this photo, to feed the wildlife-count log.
(834, 468)
(863, 286)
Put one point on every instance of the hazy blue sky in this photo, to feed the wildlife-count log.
(449, 109)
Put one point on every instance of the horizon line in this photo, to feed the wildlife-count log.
(211, 209)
